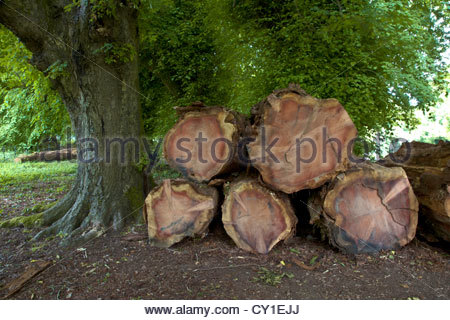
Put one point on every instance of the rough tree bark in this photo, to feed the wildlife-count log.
(102, 102)
(255, 217)
(366, 209)
(300, 142)
(178, 209)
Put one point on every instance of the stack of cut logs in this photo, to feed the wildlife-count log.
(291, 142)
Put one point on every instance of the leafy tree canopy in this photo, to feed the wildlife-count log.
(29, 109)
(382, 59)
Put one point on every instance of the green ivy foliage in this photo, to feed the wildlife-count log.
(116, 53)
(102, 8)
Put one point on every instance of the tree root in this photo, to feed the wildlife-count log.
(56, 212)
(80, 219)
(81, 236)
(28, 221)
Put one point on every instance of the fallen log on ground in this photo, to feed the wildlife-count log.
(428, 169)
(54, 155)
(366, 209)
(30, 272)
(204, 142)
(178, 209)
(255, 217)
(300, 142)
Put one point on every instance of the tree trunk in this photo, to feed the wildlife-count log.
(366, 209)
(204, 143)
(178, 209)
(300, 142)
(102, 101)
(255, 217)
(428, 169)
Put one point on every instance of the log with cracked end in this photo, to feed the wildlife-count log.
(178, 209)
(300, 142)
(204, 142)
(366, 209)
(428, 169)
(255, 217)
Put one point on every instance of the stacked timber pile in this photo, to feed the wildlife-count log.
(291, 142)
(428, 169)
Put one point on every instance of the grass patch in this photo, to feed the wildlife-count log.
(18, 173)
(30, 188)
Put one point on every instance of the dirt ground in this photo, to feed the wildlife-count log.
(110, 267)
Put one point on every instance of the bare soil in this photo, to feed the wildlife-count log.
(109, 267)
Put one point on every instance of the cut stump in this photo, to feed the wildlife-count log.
(204, 142)
(178, 209)
(255, 217)
(300, 142)
(428, 169)
(366, 209)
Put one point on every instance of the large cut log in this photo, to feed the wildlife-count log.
(204, 142)
(178, 209)
(255, 217)
(428, 169)
(300, 141)
(366, 209)
(54, 155)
